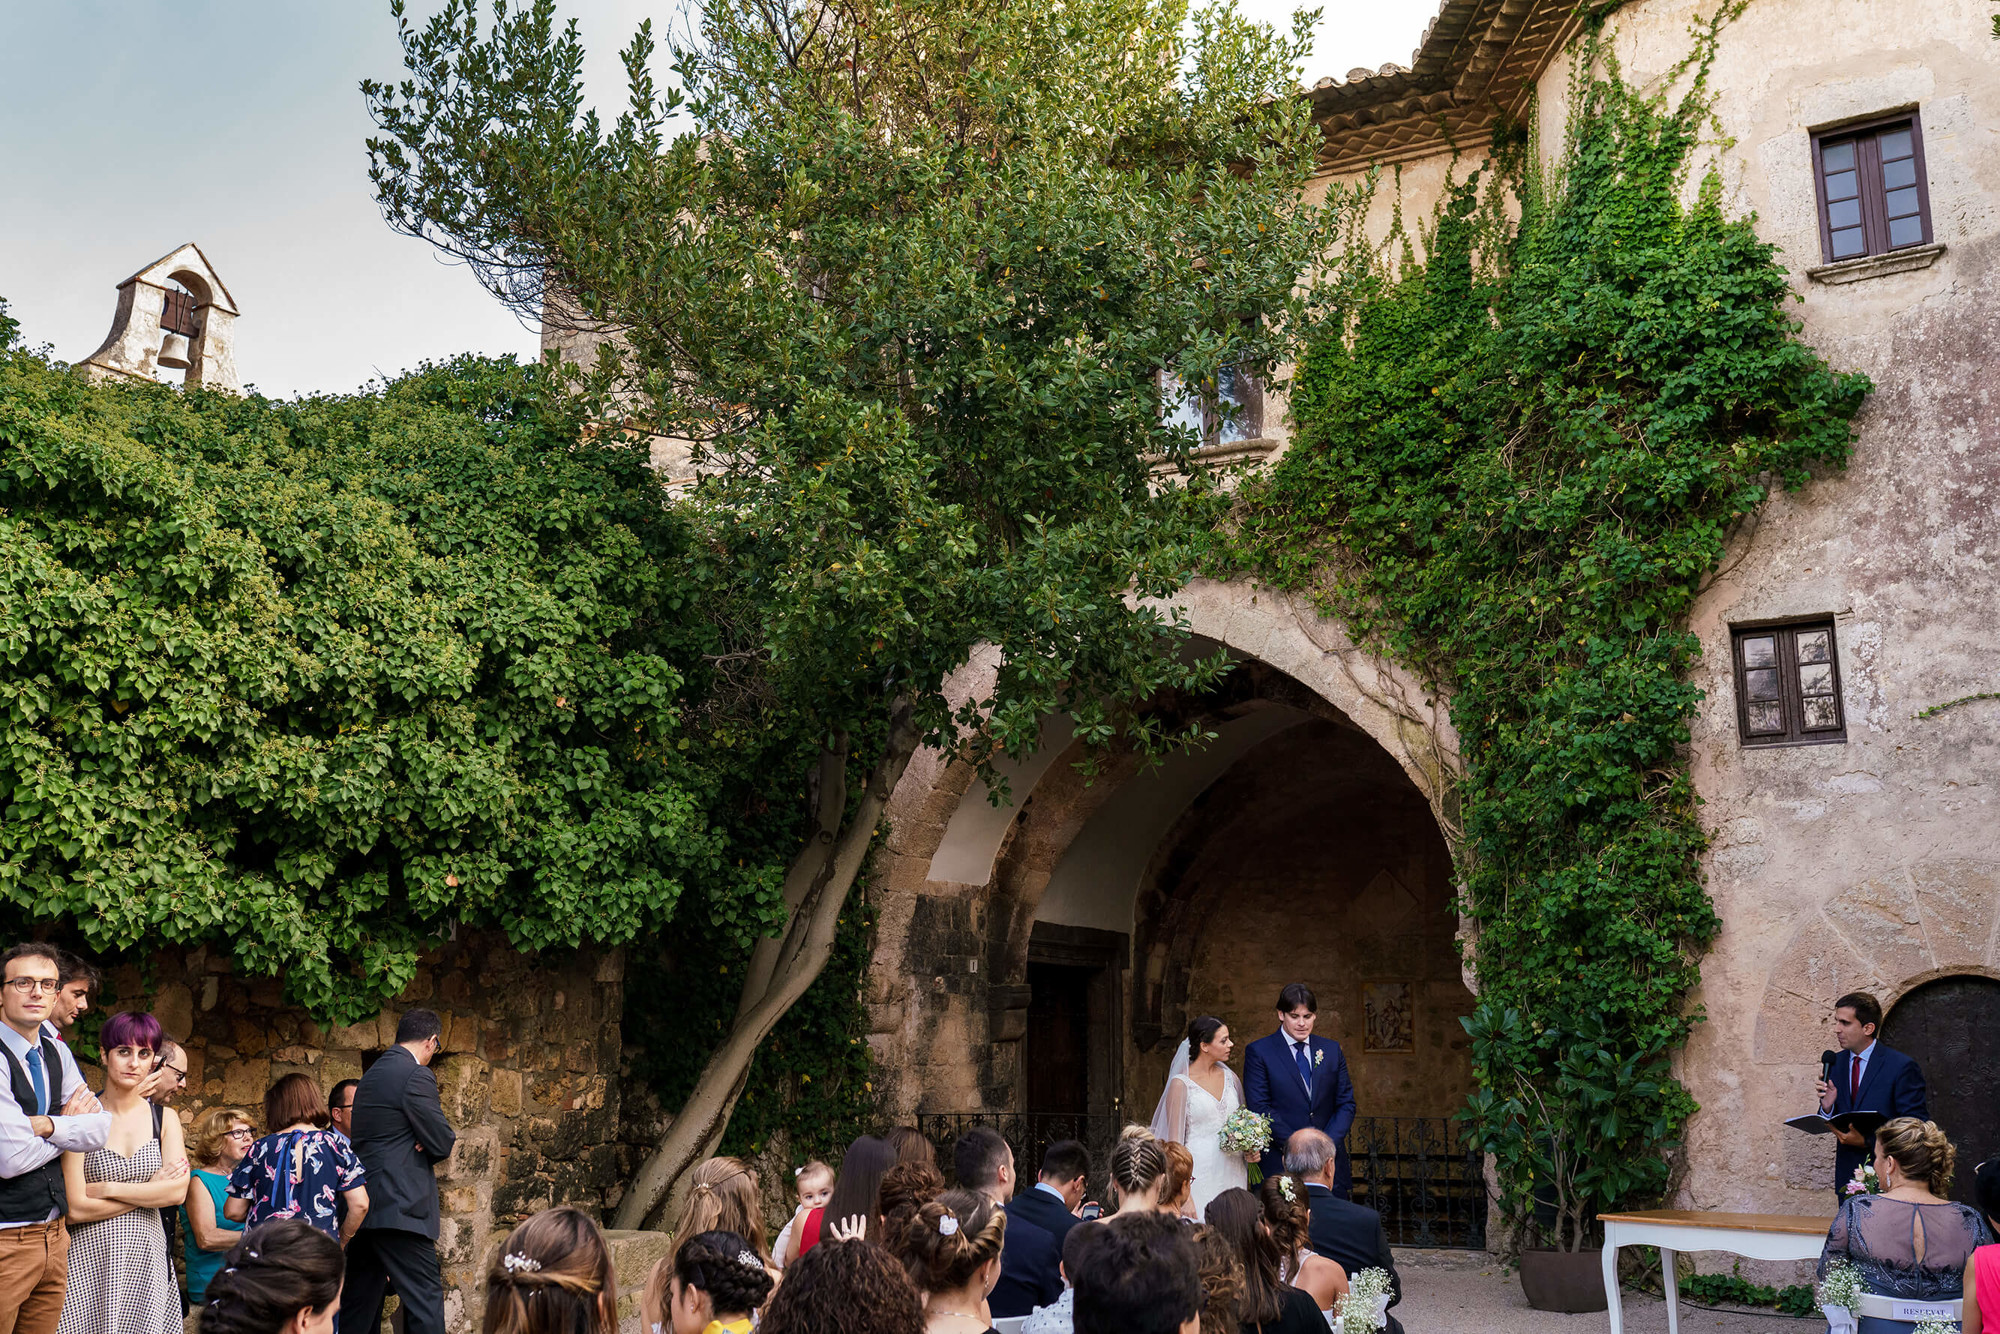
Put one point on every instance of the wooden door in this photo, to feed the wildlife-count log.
(1056, 1050)
(1949, 1027)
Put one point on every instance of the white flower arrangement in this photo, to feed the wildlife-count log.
(1245, 1132)
(1935, 1325)
(1365, 1308)
(1839, 1293)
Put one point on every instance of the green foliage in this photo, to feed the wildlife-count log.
(317, 682)
(1518, 462)
(10, 328)
(1795, 1299)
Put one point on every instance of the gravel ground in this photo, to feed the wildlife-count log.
(1448, 1292)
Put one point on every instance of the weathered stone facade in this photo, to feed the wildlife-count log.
(528, 1073)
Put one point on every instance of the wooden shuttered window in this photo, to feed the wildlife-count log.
(1788, 684)
(1874, 195)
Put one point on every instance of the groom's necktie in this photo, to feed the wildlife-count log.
(1305, 1064)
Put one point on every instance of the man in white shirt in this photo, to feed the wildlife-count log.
(45, 1110)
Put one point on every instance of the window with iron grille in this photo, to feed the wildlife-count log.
(1231, 408)
(1874, 195)
(1788, 684)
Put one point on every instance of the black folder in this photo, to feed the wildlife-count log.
(1867, 1123)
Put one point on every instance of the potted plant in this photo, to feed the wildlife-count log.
(1575, 1127)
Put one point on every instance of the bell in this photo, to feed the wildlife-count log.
(174, 352)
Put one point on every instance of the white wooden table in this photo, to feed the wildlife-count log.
(1754, 1236)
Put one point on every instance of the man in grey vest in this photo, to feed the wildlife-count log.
(45, 1109)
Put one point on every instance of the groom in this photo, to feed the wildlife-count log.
(1300, 1081)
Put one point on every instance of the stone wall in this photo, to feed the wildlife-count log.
(528, 1074)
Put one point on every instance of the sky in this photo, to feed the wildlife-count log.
(132, 126)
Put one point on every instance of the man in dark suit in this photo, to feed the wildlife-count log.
(1349, 1234)
(1052, 1204)
(1299, 1081)
(1867, 1076)
(1030, 1259)
(401, 1135)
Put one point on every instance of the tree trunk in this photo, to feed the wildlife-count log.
(781, 967)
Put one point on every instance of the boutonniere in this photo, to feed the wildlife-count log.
(1318, 1056)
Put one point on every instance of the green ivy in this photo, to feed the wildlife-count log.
(1517, 463)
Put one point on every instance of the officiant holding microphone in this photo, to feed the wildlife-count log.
(1865, 1076)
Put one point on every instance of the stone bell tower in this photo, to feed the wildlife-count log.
(173, 314)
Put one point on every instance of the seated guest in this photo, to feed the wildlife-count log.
(1031, 1264)
(1349, 1234)
(1059, 1317)
(1268, 1305)
(911, 1145)
(1058, 1193)
(1909, 1242)
(1137, 1274)
(906, 1188)
(552, 1275)
(1982, 1276)
(283, 1277)
(856, 1201)
(1138, 1171)
(1177, 1186)
(300, 1166)
(840, 1287)
(222, 1135)
(1289, 1217)
(952, 1249)
(713, 1282)
(725, 1197)
(1221, 1280)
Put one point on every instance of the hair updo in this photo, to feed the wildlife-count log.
(1920, 1151)
(722, 1265)
(279, 1269)
(906, 1189)
(1179, 1180)
(1200, 1033)
(949, 1239)
(552, 1273)
(1137, 1162)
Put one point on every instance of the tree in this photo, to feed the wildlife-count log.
(908, 282)
(318, 682)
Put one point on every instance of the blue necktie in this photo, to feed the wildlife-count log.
(41, 1084)
(1305, 1064)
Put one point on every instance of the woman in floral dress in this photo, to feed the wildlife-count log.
(301, 1169)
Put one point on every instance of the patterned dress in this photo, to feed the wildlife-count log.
(119, 1278)
(298, 1174)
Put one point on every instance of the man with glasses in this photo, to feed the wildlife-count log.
(45, 1109)
(340, 1107)
(170, 1076)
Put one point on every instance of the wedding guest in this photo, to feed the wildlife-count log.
(814, 1185)
(1031, 1262)
(120, 1275)
(340, 1108)
(1137, 1274)
(1058, 1193)
(1221, 1274)
(552, 1275)
(299, 1167)
(1138, 1171)
(1059, 1317)
(1288, 1215)
(713, 1283)
(1269, 1305)
(79, 983)
(1867, 1076)
(283, 1277)
(906, 1189)
(952, 1249)
(1177, 1187)
(168, 1081)
(1300, 1081)
(1981, 1288)
(222, 1135)
(46, 1110)
(1349, 1234)
(1909, 1242)
(724, 1197)
(911, 1145)
(841, 1287)
(856, 1199)
(401, 1135)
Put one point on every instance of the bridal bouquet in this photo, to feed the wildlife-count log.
(1865, 1181)
(1365, 1308)
(1245, 1132)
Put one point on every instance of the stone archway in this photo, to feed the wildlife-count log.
(1947, 1024)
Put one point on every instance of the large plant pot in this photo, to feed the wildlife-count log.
(1563, 1280)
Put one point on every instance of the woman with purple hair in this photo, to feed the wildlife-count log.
(120, 1281)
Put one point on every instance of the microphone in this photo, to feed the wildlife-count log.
(1826, 1060)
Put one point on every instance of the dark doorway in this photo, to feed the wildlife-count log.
(1946, 1026)
(1056, 1050)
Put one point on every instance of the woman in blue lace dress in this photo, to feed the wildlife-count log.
(1908, 1243)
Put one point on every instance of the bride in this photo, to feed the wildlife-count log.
(1201, 1093)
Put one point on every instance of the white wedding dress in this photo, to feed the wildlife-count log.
(1192, 1116)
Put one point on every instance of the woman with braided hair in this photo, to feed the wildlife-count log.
(282, 1278)
(552, 1276)
(1138, 1171)
(952, 1249)
(712, 1284)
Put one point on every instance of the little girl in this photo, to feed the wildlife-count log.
(815, 1187)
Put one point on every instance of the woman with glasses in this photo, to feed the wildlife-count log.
(222, 1135)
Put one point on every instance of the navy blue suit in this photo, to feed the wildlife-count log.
(1045, 1211)
(1273, 1087)
(1030, 1269)
(1890, 1084)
